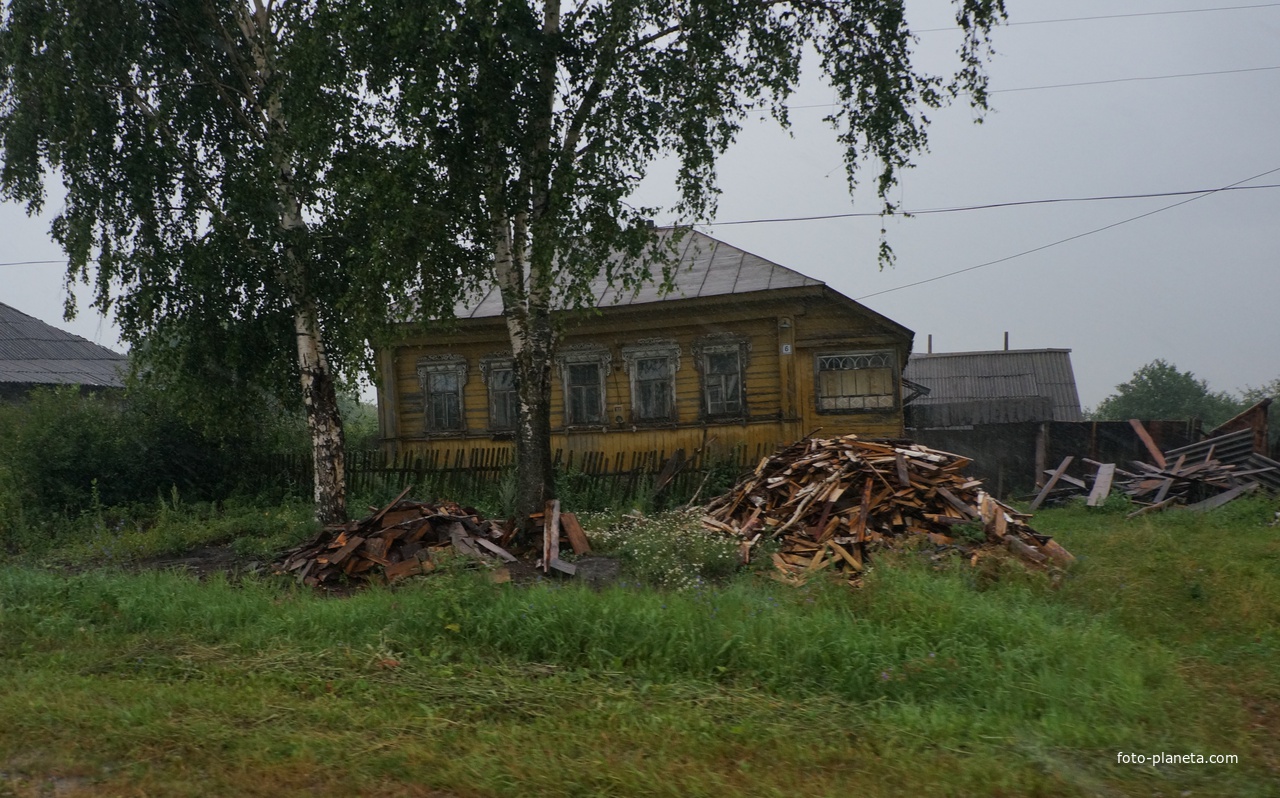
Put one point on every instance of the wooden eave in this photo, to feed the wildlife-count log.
(789, 301)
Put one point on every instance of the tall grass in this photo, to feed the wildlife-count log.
(977, 660)
(954, 681)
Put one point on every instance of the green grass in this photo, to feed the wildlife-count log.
(110, 537)
(951, 682)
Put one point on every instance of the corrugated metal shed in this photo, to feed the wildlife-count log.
(707, 267)
(998, 387)
(35, 353)
(1233, 448)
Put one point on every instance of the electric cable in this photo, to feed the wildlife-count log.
(1043, 247)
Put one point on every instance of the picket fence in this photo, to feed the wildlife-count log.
(589, 479)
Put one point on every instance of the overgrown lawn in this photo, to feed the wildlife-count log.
(952, 682)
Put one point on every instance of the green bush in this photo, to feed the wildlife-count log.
(67, 454)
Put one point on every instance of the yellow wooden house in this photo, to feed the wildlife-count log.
(743, 355)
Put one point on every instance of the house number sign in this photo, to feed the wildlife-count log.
(786, 349)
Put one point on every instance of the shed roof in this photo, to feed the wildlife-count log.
(994, 387)
(35, 353)
(706, 267)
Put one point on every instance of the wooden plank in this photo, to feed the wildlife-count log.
(1223, 498)
(864, 512)
(1070, 480)
(1095, 464)
(464, 544)
(955, 502)
(1102, 484)
(853, 561)
(373, 521)
(567, 568)
(343, 553)
(1059, 555)
(502, 553)
(405, 568)
(577, 538)
(1025, 551)
(551, 535)
(1053, 480)
(1001, 525)
(904, 478)
(1157, 456)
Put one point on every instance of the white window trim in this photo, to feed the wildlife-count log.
(890, 362)
(575, 355)
(645, 349)
(437, 364)
(721, 344)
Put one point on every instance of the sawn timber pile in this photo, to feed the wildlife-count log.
(831, 501)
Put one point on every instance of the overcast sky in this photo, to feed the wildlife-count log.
(1197, 285)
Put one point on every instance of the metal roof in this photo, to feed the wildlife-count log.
(994, 387)
(706, 267)
(1233, 448)
(35, 353)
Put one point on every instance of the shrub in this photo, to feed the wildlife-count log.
(66, 453)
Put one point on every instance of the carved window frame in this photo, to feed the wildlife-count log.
(489, 364)
(721, 344)
(853, 361)
(652, 349)
(584, 354)
(443, 364)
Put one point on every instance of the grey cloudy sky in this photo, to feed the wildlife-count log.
(1197, 284)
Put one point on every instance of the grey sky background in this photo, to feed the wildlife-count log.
(1197, 284)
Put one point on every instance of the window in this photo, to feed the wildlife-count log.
(653, 389)
(442, 378)
(583, 369)
(504, 403)
(722, 359)
(652, 364)
(723, 384)
(855, 381)
(584, 402)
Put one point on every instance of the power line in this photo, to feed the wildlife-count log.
(1087, 83)
(914, 212)
(1068, 238)
(1117, 16)
(989, 206)
(1129, 80)
(32, 262)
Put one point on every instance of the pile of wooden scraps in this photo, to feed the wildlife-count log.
(397, 541)
(830, 502)
(1200, 476)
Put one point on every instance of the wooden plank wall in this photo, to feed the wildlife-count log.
(1004, 454)
(779, 389)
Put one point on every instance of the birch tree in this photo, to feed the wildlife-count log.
(546, 115)
(206, 148)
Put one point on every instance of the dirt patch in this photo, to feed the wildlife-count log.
(204, 562)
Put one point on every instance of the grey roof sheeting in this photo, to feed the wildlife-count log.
(35, 353)
(996, 387)
(706, 267)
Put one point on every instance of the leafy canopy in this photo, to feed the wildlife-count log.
(1159, 390)
(177, 128)
(546, 116)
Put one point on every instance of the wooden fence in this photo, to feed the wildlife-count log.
(587, 480)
